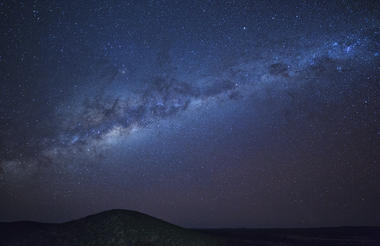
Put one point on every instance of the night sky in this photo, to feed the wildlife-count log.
(201, 113)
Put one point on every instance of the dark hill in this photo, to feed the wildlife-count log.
(114, 227)
(130, 228)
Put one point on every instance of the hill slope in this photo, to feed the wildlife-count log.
(130, 228)
(114, 227)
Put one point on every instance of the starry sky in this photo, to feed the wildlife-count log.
(204, 113)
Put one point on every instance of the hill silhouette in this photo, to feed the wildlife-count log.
(130, 228)
(114, 227)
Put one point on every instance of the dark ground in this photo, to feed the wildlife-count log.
(300, 236)
(123, 227)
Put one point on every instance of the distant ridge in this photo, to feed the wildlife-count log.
(131, 228)
(113, 227)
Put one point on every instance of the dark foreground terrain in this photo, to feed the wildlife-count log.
(123, 227)
(335, 236)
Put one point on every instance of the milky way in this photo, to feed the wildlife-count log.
(201, 113)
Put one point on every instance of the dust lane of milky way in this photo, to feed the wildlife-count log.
(264, 113)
